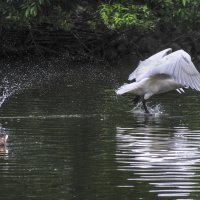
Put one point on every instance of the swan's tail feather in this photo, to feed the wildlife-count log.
(126, 88)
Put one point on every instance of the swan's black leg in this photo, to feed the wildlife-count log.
(145, 106)
(136, 99)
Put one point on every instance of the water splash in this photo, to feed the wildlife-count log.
(154, 110)
(11, 85)
(19, 77)
(8, 89)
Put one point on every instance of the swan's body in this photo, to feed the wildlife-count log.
(162, 72)
(149, 86)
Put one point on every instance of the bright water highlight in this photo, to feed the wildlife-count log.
(70, 138)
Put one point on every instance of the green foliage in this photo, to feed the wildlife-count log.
(182, 12)
(28, 13)
(188, 12)
(59, 18)
(117, 16)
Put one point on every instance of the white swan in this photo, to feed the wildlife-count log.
(162, 72)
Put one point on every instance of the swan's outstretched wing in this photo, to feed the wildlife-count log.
(144, 65)
(179, 66)
(160, 54)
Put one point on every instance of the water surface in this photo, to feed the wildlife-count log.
(70, 137)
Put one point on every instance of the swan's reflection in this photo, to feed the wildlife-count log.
(168, 159)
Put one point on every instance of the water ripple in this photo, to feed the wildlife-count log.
(168, 160)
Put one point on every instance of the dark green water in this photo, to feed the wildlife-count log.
(71, 138)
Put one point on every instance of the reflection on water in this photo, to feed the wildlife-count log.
(63, 141)
(166, 158)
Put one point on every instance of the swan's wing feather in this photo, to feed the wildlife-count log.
(162, 66)
(160, 54)
(186, 73)
(144, 65)
(179, 67)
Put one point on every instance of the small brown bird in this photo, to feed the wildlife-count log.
(3, 139)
